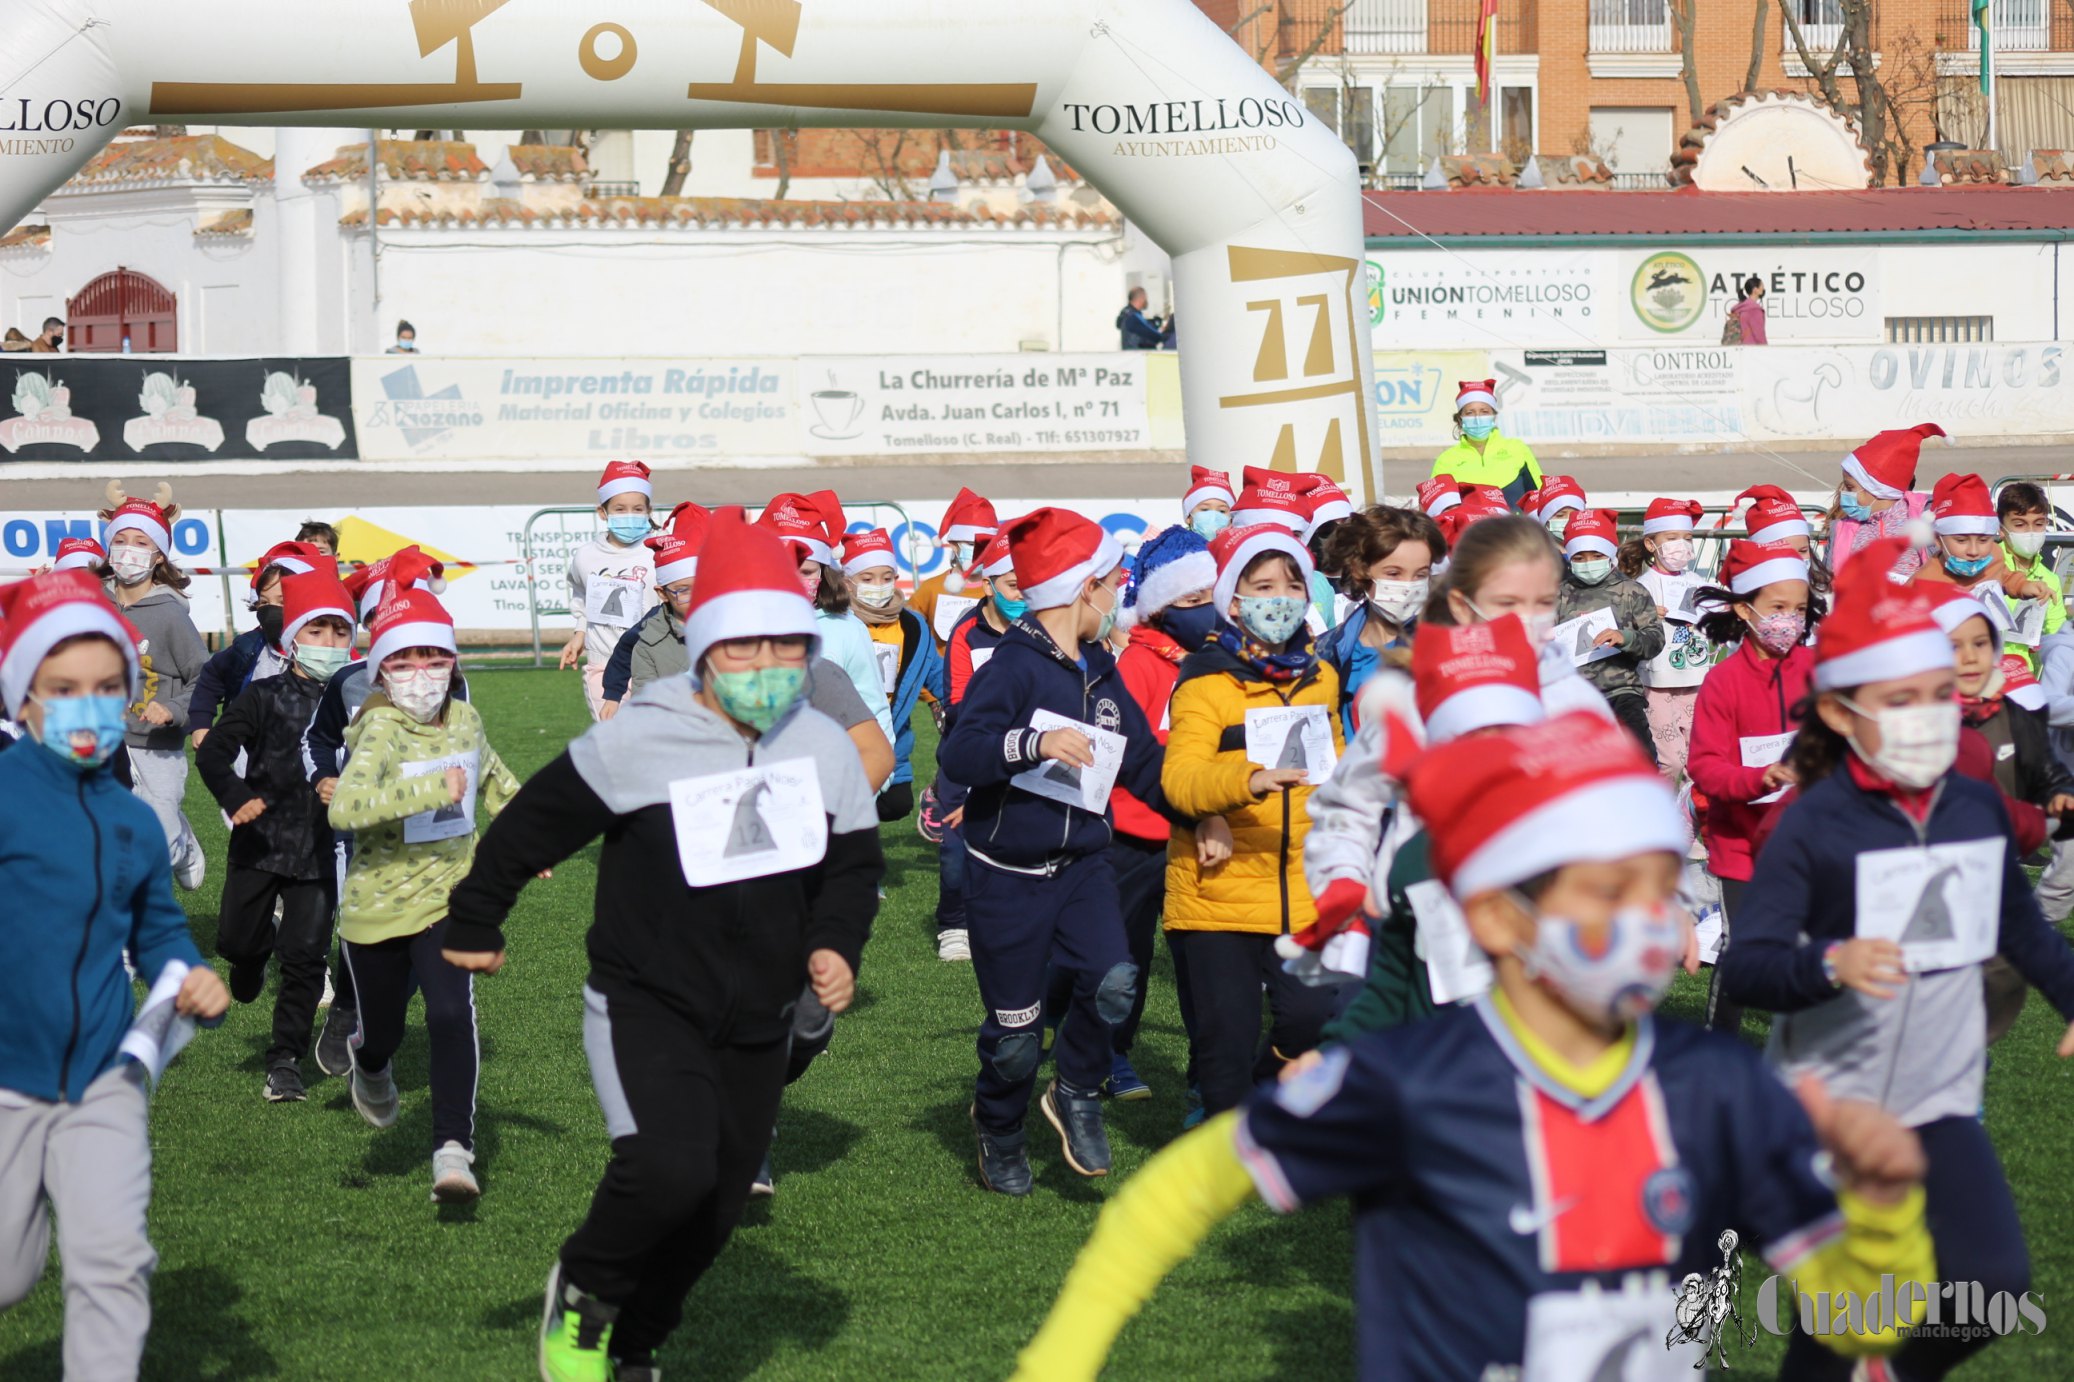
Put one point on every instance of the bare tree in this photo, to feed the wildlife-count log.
(1750, 78)
(1318, 32)
(680, 164)
(1684, 14)
(1853, 55)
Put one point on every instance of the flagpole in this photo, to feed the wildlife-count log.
(1987, 40)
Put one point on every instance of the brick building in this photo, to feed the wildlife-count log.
(1607, 77)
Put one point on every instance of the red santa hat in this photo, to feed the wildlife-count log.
(2019, 684)
(1879, 630)
(1530, 504)
(1886, 465)
(1439, 494)
(1234, 550)
(1205, 483)
(79, 554)
(748, 588)
(403, 569)
(1751, 566)
(1473, 676)
(1468, 391)
(38, 614)
(677, 553)
(865, 550)
(1056, 552)
(1324, 501)
(802, 522)
(969, 519)
(293, 558)
(409, 618)
(1271, 496)
(1592, 530)
(994, 559)
(1772, 515)
(624, 477)
(308, 595)
(1961, 504)
(143, 516)
(1952, 607)
(1505, 807)
(1558, 493)
(1670, 516)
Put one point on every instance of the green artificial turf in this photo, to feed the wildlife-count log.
(295, 1242)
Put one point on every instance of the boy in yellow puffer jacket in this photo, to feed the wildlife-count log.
(1253, 727)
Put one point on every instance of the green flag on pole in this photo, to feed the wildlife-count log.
(1987, 47)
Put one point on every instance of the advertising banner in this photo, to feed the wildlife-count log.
(1666, 395)
(1415, 394)
(1972, 391)
(921, 405)
(1490, 298)
(1809, 294)
(140, 407)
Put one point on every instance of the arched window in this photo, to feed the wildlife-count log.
(123, 304)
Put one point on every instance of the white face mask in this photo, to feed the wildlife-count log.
(877, 596)
(132, 564)
(1559, 522)
(422, 696)
(1918, 743)
(1674, 554)
(1398, 601)
(1592, 570)
(2027, 544)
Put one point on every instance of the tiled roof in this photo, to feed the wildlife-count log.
(1688, 211)
(711, 213)
(25, 237)
(1976, 167)
(233, 224)
(549, 162)
(2053, 165)
(1002, 166)
(187, 157)
(1579, 171)
(421, 160)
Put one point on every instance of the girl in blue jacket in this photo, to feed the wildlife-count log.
(86, 874)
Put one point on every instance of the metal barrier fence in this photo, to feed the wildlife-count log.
(588, 519)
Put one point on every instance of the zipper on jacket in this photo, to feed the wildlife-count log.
(1282, 873)
(79, 961)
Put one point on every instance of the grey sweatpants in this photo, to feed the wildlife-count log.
(91, 1163)
(161, 780)
(2056, 884)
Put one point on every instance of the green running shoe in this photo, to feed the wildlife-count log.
(574, 1333)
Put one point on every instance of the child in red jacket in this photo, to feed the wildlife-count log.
(1748, 709)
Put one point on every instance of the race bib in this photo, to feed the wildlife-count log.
(1681, 598)
(749, 823)
(1086, 788)
(949, 610)
(1761, 751)
(1314, 620)
(1578, 638)
(1943, 903)
(1456, 966)
(980, 658)
(888, 656)
(1295, 736)
(452, 819)
(1595, 1335)
(612, 602)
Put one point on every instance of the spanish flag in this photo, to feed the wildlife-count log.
(1486, 47)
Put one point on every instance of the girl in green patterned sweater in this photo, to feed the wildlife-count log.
(417, 759)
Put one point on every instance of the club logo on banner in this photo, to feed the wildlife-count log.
(1668, 291)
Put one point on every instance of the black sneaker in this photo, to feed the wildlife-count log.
(247, 979)
(763, 1183)
(334, 1043)
(640, 1368)
(1078, 1118)
(929, 820)
(284, 1083)
(1004, 1159)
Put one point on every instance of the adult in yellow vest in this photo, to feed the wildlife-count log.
(1484, 455)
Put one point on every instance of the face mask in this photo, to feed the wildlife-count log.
(1591, 570)
(1778, 634)
(1207, 523)
(1968, 569)
(1918, 743)
(812, 585)
(758, 696)
(1190, 627)
(85, 731)
(1560, 522)
(2027, 544)
(1539, 626)
(628, 528)
(1398, 601)
(1011, 610)
(132, 564)
(1674, 555)
(1108, 624)
(422, 696)
(1854, 508)
(877, 596)
(1626, 978)
(1272, 618)
(1479, 427)
(321, 662)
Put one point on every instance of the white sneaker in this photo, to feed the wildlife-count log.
(453, 1182)
(329, 993)
(193, 869)
(953, 945)
(374, 1096)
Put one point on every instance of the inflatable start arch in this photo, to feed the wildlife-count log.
(1258, 204)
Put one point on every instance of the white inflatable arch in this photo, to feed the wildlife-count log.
(1257, 203)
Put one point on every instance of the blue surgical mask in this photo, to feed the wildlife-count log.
(759, 696)
(1011, 610)
(321, 662)
(85, 731)
(1207, 523)
(1967, 570)
(629, 528)
(1479, 426)
(1190, 627)
(1272, 618)
(1108, 624)
(1853, 507)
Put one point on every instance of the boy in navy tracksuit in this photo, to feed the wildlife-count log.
(1039, 889)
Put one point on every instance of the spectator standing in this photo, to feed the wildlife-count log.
(1138, 331)
(1744, 324)
(406, 340)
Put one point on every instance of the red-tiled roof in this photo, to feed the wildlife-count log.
(25, 237)
(548, 162)
(1692, 212)
(701, 213)
(201, 157)
(231, 223)
(446, 160)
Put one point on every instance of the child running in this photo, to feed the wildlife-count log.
(2024, 518)
(86, 878)
(1876, 496)
(1385, 558)
(1887, 883)
(946, 597)
(1661, 560)
(740, 865)
(1532, 1173)
(255, 653)
(418, 758)
(611, 577)
(280, 846)
(812, 525)
(1611, 655)
(905, 650)
(1206, 505)
(972, 642)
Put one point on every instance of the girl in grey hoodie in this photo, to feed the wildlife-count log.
(145, 585)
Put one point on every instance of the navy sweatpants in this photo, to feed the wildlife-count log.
(1973, 1223)
(1021, 925)
(950, 860)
